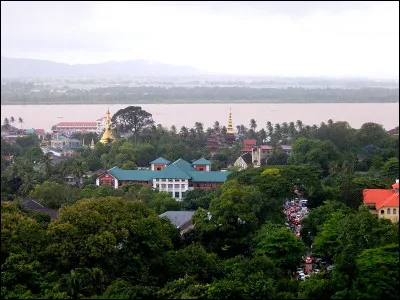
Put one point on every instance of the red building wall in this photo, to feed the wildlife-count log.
(206, 185)
(161, 166)
(199, 167)
(107, 179)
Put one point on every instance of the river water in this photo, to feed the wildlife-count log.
(45, 116)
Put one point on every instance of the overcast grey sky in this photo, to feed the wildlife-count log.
(342, 39)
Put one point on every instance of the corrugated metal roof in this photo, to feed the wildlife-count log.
(172, 171)
(160, 160)
(209, 176)
(138, 175)
(178, 218)
(202, 161)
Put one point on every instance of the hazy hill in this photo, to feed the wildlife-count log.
(23, 67)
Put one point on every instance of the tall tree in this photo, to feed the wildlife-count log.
(253, 124)
(21, 121)
(132, 119)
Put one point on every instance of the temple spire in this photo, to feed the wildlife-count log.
(92, 144)
(107, 135)
(230, 129)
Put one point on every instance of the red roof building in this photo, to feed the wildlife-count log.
(384, 203)
(248, 145)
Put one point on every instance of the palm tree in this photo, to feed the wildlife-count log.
(173, 129)
(285, 130)
(199, 128)
(6, 123)
(253, 124)
(192, 133)
(47, 163)
(12, 120)
(29, 180)
(330, 122)
(299, 126)
(270, 129)
(262, 135)
(97, 277)
(216, 126)
(21, 121)
(184, 132)
(278, 131)
(292, 130)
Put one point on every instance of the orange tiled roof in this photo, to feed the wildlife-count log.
(380, 197)
(393, 200)
(376, 195)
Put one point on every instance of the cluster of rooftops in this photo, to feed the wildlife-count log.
(197, 171)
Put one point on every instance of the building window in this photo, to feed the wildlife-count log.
(388, 211)
(182, 186)
(177, 186)
(163, 180)
(382, 211)
(157, 186)
(394, 211)
(170, 186)
(172, 194)
(176, 194)
(158, 168)
(163, 185)
(201, 169)
(170, 180)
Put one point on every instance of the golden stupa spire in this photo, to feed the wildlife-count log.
(92, 144)
(107, 135)
(230, 129)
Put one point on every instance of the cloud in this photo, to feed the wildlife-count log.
(260, 38)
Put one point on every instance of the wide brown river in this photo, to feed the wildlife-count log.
(45, 116)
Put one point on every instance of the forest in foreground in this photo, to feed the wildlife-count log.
(112, 244)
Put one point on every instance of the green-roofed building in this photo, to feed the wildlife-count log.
(175, 178)
(159, 164)
(202, 164)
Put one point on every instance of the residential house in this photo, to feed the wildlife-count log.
(383, 202)
(244, 161)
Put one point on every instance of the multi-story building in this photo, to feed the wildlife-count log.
(383, 202)
(175, 178)
(97, 126)
(71, 127)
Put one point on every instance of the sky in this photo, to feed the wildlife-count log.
(300, 38)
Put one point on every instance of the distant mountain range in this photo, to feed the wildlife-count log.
(23, 67)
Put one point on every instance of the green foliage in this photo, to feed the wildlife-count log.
(279, 244)
(197, 198)
(110, 233)
(377, 273)
(390, 169)
(53, 195)
(314, 153)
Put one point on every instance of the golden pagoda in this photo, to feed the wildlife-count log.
(107, 135)
(230, 129)
(92, 144)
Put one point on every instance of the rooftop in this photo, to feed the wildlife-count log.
(178, 218)
(160, 160)
(201, 161)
